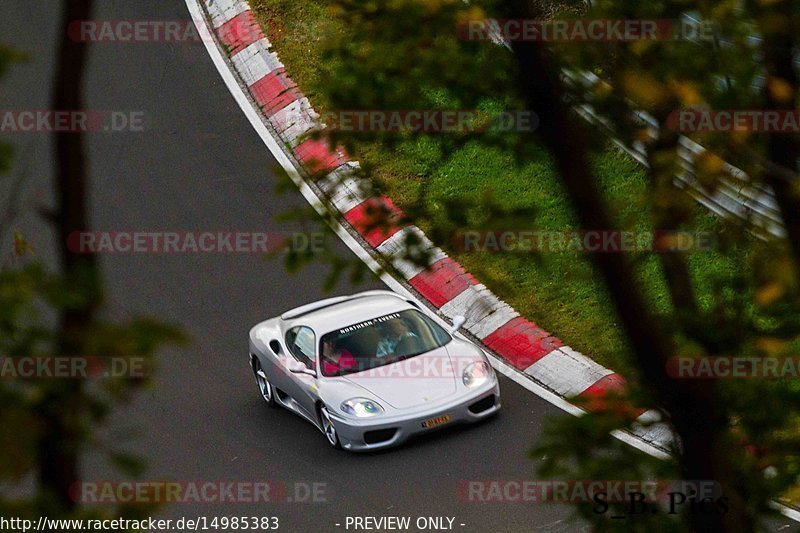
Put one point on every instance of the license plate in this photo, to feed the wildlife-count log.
(438, 421)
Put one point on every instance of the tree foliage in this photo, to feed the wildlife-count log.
(407, 54)
(49, 424)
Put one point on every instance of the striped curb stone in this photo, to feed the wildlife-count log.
(255, 62)
(567, 372)
(240, 32)
(365, 217)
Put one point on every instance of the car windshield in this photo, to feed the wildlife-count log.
(379, 341)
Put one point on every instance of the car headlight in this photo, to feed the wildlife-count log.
(361, 407)
(476, 374)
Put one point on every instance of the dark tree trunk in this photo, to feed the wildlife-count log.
(667, 216)
(783, 148)
(61, 408)
(700, 425)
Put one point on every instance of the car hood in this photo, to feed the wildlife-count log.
(415, 381)
(419, 380)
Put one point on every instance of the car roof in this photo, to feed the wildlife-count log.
(335, 313)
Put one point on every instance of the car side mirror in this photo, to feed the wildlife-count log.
(296, 367)
(458, 321)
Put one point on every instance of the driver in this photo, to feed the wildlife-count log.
(397, 331)
(334, 361)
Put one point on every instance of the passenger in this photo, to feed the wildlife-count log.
(397, 331)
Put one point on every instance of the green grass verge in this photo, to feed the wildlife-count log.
(558, 291)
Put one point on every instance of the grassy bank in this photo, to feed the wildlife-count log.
(558, 291)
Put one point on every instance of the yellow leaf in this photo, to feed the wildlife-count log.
(432, 6)
(740, 136)
(686, 93)
(473, 13)
(769, 293)
(708, 170)
(709, 163)
(642, 134)
(21, 246)
(643, 89)
(780, 90)
(771, 345)
(602, 89)
(640, 47)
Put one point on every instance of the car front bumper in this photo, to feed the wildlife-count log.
(359, 435)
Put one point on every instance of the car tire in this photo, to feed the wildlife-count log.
(264, 386)
(328, 428)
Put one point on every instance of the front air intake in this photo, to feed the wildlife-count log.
(379, 435)
(482, 405)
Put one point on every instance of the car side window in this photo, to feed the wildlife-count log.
(301, 341)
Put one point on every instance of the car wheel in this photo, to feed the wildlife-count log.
(264, 386)
(329, 428)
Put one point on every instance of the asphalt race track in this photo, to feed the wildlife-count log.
(200, 166)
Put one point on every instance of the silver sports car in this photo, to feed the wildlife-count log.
(372, 369)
